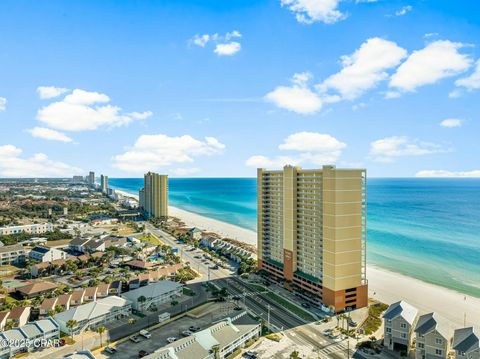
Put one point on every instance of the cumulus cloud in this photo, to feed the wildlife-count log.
(365, 68)
(223, 46)
(404, 10)
(49, 134)
(451, 122)
(298, 97)
(444, 173)
(228, 49)
(12, 164)
(310, 11)
(471, 82)
(436, 61)
(47, 92)
(389, 148)
(152, 152)
(85, 110)
(3, 104)
(307, 147)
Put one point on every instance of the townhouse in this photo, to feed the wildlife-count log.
(432, 337)
(399, 319)
(466, 343)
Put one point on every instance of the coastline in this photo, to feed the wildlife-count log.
(384, 285)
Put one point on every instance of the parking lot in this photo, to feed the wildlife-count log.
(210, 313)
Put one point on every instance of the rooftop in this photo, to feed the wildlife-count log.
(152, 290)
(401, 309)
(37, 287)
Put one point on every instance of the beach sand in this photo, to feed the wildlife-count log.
(385, 286)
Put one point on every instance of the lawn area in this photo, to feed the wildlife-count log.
(374, 321)
(151, 239)
(60, 242)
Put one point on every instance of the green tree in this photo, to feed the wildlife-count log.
(101, 330)
(72, 323)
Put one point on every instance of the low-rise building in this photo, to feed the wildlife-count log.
(12, 254)
(90, 294)
(77, 297)
(46, 268)
(46, 254)
(36, 228)
(154, 294)
(28, 337)
(227, 335)
(466, 343)
(94, 314)
(432, 337)
(77, 245)
(195, 233)
(399, 321)
(36, 289)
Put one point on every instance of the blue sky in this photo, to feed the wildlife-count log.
(218, 88)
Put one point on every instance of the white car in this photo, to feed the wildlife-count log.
(145, 334)
(171, 339)
(135, 339)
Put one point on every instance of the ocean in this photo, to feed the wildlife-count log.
(428, 229)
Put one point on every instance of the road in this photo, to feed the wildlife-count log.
(264, 307)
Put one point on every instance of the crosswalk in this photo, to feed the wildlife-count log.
(340, 348)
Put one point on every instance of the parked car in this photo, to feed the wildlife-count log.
(352, 323)
(142, 353)
(145, 334)
(171, 339)
(111, 350)
(194, 328)
(135, 339)
(250, 354)
(186, 333)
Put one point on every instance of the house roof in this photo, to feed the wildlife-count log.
(46, 325)
(48, 303)
(465, 340)
(430, 322)
(4, 315)
(402, 309)
(115, 284)
(17, 312)
(91, 291)
(139, 264)
(64, 299)
(31, 330)
(78, 294)
(40, 249)
(92, 310)
(79, 241)
(37, 287)
(103, 287)
(44, 265)
(152, 290)
(11, 248)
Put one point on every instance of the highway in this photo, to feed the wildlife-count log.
(295, 328)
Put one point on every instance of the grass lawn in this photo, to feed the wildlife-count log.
(149, 238)
(60, 242)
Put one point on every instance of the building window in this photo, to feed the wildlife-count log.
(438, 341)
(389, 330)
(403, 326)
(404, 335)
(421, 345)
(438, 352)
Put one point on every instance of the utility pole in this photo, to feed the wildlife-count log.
(244, 298)
(268, 317)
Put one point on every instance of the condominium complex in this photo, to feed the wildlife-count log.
(312, 232)
(104, 183)
(35, 228)
(154, 196)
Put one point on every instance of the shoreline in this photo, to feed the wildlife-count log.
(384, 285)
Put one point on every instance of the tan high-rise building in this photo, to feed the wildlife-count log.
(155, 195)
(312, 232)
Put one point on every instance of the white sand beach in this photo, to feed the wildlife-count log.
(385, 286)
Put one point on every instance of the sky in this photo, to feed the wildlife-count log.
(218, 88)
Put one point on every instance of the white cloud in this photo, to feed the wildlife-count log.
(223, 44)
(365, 68)
(310, 11)
(39, 165)
(3, 104)
(84, 110)
(404, 10)
(389, 148)
(46, 92)
(451, 122)
(49, 134)
(444, 173)
(471, 82)
(308, 148)
(438, 60)
(227, 49)
(152, 152)
(298, 97)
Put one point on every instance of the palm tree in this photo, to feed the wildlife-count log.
(142, 299)
(101, 330)
(216, 351)
(72, 323)
(294, 355)
(131, 321)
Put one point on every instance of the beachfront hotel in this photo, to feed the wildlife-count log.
(312, 232)
(104, 183)
(153, 197)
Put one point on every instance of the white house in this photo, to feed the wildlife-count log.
(46, 254)
(11, 254)
(155, 294)
(94, 314)
(37, 228)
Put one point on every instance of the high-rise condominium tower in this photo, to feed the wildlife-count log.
(104, 183)
(312, 232)
(155, 195)
(91, 178)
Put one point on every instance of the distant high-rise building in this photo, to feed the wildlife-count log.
(141, 198)
(78, 179)
(104, 184)
(155, 195)
(91, 178)
(312, 232)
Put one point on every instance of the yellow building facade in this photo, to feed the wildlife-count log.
(155, 195)
(312, 232)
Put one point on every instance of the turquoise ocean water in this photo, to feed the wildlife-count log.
(425, 228)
